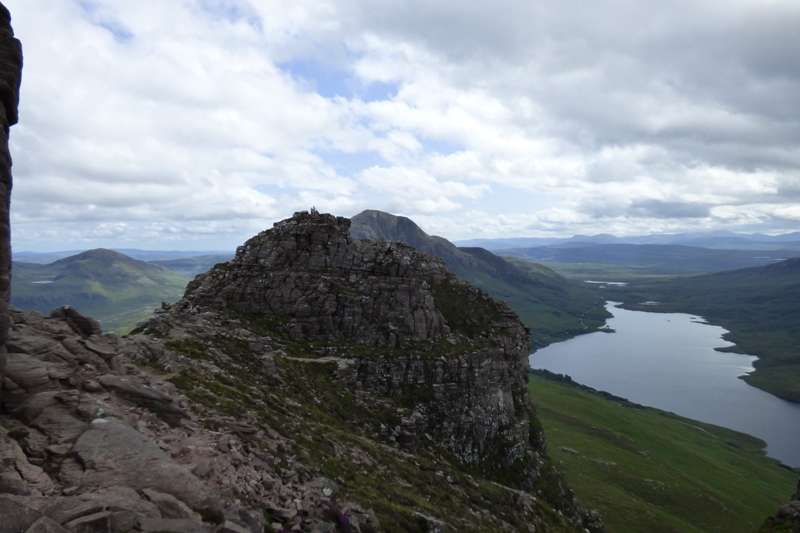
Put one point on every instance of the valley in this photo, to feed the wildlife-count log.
(649, 470)
(641, 467)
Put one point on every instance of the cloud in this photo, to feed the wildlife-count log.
(168, 118)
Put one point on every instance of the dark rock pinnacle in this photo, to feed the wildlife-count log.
(10, 76)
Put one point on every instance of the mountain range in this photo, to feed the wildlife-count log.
(653, 258)
(111, 286)
(712, 239)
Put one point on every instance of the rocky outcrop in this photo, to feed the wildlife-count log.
(551, 305)
(92, 441)
(10, 76)
(787, 518)
(311, 373)
(463, 355)
(327, 285)
(399, 326)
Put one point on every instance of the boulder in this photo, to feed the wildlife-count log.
(150, 398)
(113, 453)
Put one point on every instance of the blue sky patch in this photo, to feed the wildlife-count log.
(350, 164)
(231, 11)
(117, 29)
(121, 33)
(330, 82)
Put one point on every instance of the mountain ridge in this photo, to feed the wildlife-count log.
(553, 307)
(315, 382)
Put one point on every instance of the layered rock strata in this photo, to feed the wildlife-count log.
(92, 439)
(421, 329)
(10, 76)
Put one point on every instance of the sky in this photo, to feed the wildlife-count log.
(195, 124)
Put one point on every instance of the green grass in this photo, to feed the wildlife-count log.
(111, 287)
(554, 311)
(648, 470)
(334, 433)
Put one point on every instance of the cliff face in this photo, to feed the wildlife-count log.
(314, 383)
(309, 270)
(396, 320)
(10, 75)
(552, 306)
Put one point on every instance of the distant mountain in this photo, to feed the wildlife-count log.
(552, 306)
(171, 255)
(115, 289)
(193, 265)
(42, 258)
(760, 307)
(711, 239)
(652, 258)
(45, 258)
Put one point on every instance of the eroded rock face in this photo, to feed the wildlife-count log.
(463, 357)
(309, 270)
(264, 422)
(10, 76)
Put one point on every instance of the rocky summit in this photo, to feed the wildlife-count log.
(315, 383)
(393, 319)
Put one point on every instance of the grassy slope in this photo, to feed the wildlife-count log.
(114, 289)
(648, 470)
(552, 315)
(191, 266)
(346, 436)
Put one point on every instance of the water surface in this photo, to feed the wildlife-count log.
(668, 361)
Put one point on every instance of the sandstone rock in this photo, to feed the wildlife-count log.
(115, 454)
(17, 474)
(174, 525)
(46, 525)
(25, 376)
(790, 510)
(169, 505)
(14, 485)
(231, 527)
(10, 75)
(16, 516)
(153, 399)
(82, 325)
(309, 267)
(93, 523)
(389, 295)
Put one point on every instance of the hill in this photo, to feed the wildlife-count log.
(313, 383)
(116, 289)
(652, 258)
(192, 265)
(760, 307)
(649, 470)
(552, 306)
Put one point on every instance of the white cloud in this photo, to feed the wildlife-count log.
(162, 118)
